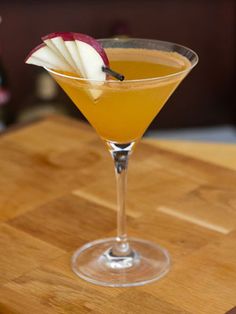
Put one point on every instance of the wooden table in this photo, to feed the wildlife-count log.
(57, 192)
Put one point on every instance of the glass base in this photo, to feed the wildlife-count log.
(145, 263)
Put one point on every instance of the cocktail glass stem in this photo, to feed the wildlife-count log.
(121, 164)
(121, 254)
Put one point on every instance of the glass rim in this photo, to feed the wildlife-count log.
(145, 80)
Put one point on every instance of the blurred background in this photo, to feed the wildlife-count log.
(202, 107)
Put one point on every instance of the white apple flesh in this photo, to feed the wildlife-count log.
(41, 63)
(49, 57)
(72, 48)
(51, 46)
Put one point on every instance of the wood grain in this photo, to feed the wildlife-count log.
(21, 252)
(206, 278)
(67, 222)
(57, 192)
(222, 154)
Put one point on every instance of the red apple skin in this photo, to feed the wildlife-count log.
(66, 36)
(70, 36)
(33, 50)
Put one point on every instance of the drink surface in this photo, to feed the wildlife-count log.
(138, 64)
(121, 111)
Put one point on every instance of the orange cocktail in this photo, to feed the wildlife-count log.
(121, 111)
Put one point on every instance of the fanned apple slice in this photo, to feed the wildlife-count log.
(92, 56)
(55, 41)
(91, 67)
(72, 48)
(47, 56)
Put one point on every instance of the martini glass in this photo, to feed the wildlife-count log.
(120, 112)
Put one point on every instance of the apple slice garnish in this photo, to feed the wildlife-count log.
(92, 56)
(75, 53)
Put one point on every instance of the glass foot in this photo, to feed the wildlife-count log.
(145, 263)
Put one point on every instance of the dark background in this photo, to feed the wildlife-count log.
(206, 97)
